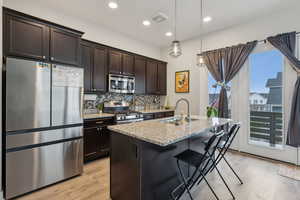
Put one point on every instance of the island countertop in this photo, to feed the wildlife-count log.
(161, 133)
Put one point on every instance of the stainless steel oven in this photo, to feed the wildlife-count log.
(121, 84)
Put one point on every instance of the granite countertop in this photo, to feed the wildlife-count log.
(98, 115)
(161, 133)
(156, 110)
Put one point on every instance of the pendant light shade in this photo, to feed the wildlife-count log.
(200, 60)
(175, 50)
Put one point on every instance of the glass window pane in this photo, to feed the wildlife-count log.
(265, 98)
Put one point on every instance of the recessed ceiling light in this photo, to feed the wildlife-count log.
(146, 23)
(169, 34)
(112, 4)
(207, 19)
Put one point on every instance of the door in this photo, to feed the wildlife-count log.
(162, 79)
(261, 98)
(151, 77)
(115, 62)
(27, 94)
(99, 69)
(86, 63)
(140, 75)
(128, 64)
(64, 47)
(67, 95)
(26, 38)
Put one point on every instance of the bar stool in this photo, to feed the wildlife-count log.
(202, 163)
(225, 144)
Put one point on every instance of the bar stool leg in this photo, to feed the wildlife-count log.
(184, 181)
(224, 181)
(203, 177)
(233, 170)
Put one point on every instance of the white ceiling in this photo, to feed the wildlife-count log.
(127, 19)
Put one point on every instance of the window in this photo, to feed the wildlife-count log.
(266, 118)
(214, 92)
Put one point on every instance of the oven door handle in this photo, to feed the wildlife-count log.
(129, 121)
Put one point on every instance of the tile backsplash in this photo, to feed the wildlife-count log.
(92, 100)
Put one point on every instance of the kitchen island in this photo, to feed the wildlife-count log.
(142, 163)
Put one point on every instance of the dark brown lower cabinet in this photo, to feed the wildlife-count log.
(96, 138)
(144, 171)
(157, 115)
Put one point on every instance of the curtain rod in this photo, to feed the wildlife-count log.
(265, 40)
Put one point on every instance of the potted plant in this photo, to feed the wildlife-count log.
(100, 107)
(211, 111)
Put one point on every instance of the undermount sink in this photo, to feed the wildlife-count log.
(178, 120)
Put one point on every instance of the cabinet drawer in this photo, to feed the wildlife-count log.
(148, 116)
(169, 114)
(159, 115)
(98, 122)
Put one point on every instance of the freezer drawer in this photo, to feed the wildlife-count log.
(27, 94)
(67, 95)
(31, 169)
(41, 137)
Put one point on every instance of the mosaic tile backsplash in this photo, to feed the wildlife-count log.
(92, 100)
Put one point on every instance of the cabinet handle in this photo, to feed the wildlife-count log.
(44, 57)
(52, 58)
(100, 122)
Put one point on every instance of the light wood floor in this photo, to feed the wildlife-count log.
(261, 182)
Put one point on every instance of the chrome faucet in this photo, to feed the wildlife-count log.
(188, 107)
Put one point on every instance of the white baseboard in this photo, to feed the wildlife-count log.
(1, 195)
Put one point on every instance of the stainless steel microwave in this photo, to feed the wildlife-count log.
(121, 84)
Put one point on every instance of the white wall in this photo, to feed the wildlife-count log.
(92, 31)
(285, 21)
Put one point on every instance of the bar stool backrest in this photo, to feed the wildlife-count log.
(230, 136)
(214, 141)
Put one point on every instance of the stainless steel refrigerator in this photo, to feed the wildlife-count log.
(43, 124)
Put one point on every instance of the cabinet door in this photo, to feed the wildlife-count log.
(91, 143)
(162, 79)
(64, 47)
(115, 62)
(86, 63)
(140, 75)
(99, 69)
(26, 38)
(104, 140)
(151, 77)
(128, 64)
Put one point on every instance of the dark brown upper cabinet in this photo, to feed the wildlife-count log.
(99, 69)
(64, 47)
(140, 65)
(115, 62)
(128, 64)
(121, 63)
(34, 38)
(87, 64)
(94, 62)
(151, 77)
(25, 38)
(162, 79)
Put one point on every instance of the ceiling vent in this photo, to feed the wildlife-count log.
(160, 17)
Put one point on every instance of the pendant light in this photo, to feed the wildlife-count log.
(175, 49)
(200, 60)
